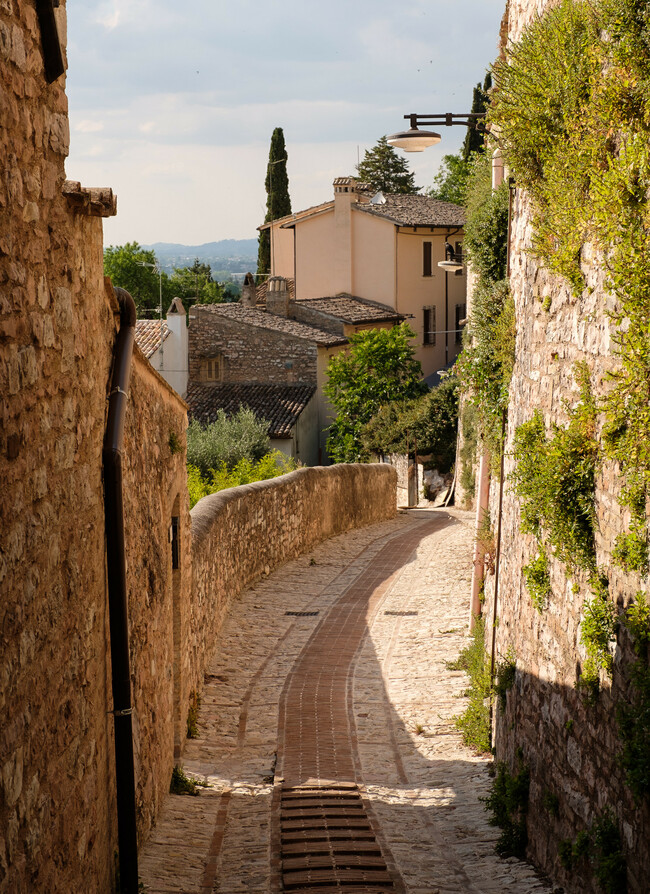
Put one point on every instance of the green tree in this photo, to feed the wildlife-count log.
(194, 285)
(450, 183)
(378, 368)
(278, 201)
(429, 422)
(130, 267)
(383, 169)
(475, 139)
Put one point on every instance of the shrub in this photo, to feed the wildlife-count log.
(227, 440)
(474, 722)
(508, 803)
(485, 365)
(554, 478)
(429, 423)
(538, 580)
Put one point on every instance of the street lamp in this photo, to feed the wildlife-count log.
(416, 140)
(160, 304)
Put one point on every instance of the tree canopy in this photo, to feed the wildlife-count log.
(194, 285)
(427, 424)
(378, 368)
(278, 201)
(383, 169)
(450, 183)
(475, 139)
(135, 269)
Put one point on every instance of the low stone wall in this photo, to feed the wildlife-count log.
(244, 532)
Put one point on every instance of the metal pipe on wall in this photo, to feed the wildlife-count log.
(117, 595)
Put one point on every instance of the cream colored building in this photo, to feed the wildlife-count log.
(383, 248)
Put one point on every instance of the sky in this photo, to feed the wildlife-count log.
(172, 104)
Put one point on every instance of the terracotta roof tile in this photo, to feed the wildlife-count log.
(416, 211)
(281, 405)
(147, 336)
(259, 318)
(351, 309)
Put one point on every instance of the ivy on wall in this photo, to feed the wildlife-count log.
(486, 362)
(573, 111)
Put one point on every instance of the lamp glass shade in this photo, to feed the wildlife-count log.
(414, 139)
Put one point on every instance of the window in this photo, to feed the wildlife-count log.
(174, 538)
(426, 259)
(460, 316)
(429, 326)
(212, 369)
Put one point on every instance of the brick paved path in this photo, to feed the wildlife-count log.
(326, 733)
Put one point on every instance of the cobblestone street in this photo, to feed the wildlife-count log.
(326, 733)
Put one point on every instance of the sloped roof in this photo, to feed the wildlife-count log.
(251, 316)
(147, 336)
(290, 219)
(281, 405)
(351, 309)
(416, 211)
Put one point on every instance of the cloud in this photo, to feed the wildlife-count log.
(186, 96)
(88, 126)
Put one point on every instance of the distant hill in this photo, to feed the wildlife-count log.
(234, 256)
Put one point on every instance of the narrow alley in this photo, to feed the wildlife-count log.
(326, 733)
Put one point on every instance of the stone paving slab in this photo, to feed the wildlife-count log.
(419, 782)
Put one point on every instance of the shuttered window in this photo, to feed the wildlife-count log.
(429, 326)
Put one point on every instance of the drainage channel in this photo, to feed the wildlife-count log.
(327, 842)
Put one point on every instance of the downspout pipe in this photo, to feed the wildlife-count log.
(117, 595)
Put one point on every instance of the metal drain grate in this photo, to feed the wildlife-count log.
(327, 842)
(402, 614)
(302, 614)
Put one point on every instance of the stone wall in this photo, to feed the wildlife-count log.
(283, 359)
(155, 490)
(571, 749)
(58, 325)
(243, 533)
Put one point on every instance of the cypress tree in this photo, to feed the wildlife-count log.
(474, 139)
(278, 202)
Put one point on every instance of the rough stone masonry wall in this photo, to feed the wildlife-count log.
(243, 533)
(571, 748)
(155, 489)
(57, 329)
(245, 359)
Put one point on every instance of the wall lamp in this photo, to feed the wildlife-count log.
(416, 140)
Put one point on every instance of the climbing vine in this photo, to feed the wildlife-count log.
(486, 362)
(554, 478)
(572, 108)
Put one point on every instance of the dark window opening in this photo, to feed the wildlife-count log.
(175, 537)
(426, 259)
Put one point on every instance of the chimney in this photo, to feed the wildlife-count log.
(277, 296)
(248, 291)
(345, 195)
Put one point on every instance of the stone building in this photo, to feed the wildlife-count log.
(58, 324)
(280, 344)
